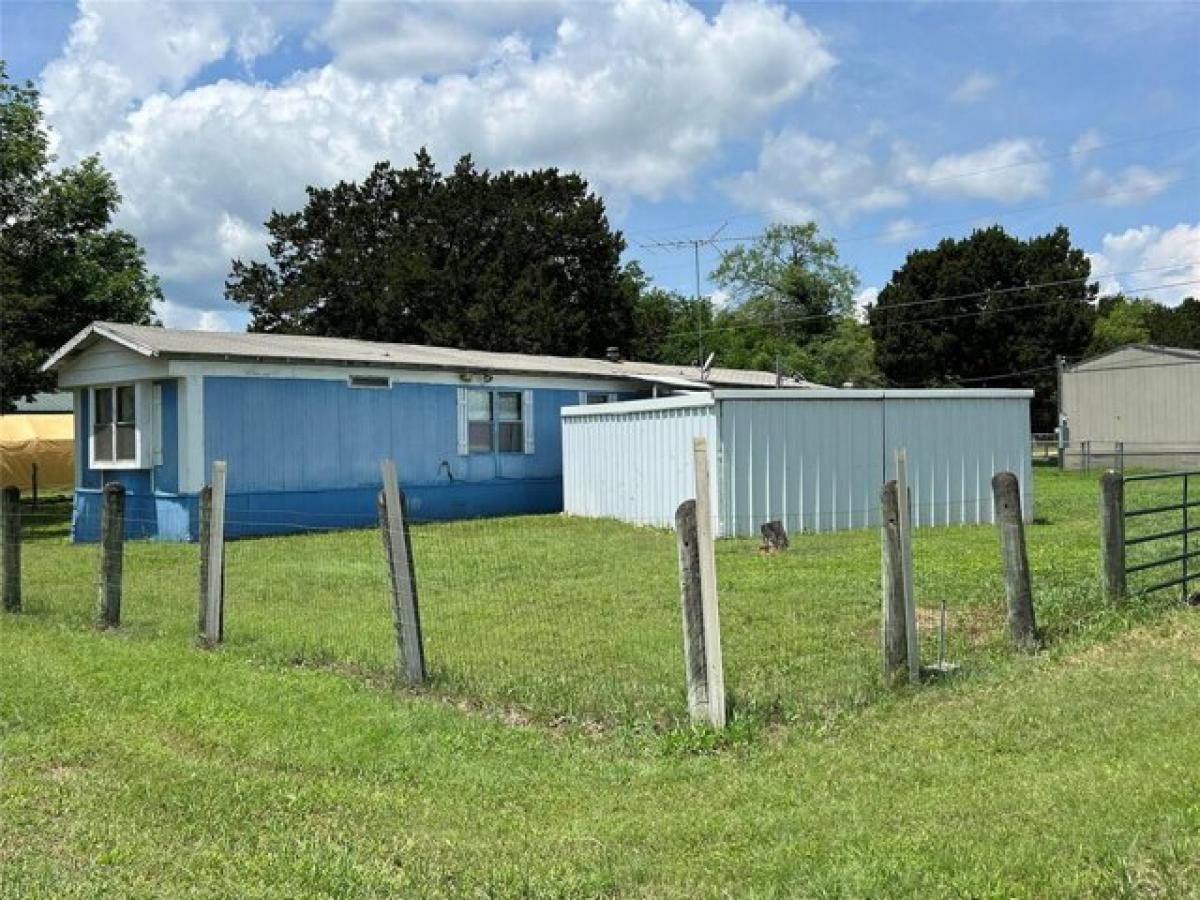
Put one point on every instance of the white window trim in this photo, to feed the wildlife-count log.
(464, 443)
(142, 405)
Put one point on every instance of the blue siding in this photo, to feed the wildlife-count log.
(306, 452)
(166, 476)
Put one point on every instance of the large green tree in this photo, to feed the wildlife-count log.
(1176, 326)
(516, 261)
(62, 264)
(988, 310)
(789, 310)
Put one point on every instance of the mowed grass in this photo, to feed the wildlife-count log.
(133, 764)
(573, 620)
(138, 767)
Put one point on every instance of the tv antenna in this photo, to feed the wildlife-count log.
(695, 244)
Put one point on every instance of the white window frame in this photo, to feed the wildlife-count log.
(143, 404)
(494, 422)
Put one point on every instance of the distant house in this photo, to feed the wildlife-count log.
(1137, 405)
(303, 423)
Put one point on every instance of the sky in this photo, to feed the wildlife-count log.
(893, 125)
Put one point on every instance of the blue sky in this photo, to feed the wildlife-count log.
(892, 124)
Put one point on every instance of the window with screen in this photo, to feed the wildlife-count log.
(479, 421)
(510, 425)
(495, 422)
(114, 425)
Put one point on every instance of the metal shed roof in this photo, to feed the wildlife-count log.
(1170, 354)
(255, 347)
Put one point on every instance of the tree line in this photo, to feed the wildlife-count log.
(528, 262)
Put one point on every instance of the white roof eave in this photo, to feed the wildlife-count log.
(96, 329)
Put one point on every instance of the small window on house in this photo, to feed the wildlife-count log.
(370, 381)
(593, 398)
(495, 422)
(511, 423)
(114, 428)
(479, 421)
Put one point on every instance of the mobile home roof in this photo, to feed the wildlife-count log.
(255, 347)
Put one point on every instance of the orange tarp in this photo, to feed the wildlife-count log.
(47, 440)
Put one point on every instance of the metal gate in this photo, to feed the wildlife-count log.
(1180, 538)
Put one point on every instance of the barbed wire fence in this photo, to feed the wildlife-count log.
(549, 618)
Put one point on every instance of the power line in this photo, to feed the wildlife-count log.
(695, 244)
(985, 293)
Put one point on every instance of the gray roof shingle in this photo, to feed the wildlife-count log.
(155, 341)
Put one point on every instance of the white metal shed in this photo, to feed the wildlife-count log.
(812, 459)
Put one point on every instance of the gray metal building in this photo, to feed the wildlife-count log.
(1136, 406)
(813, 459)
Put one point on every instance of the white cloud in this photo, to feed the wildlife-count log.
(1006, 170)
(1129, 187)
(1146, 260)
(1085, 145)
(862, 300)
(637, 96)
(898, 231)
(973, 87)
(799, 177)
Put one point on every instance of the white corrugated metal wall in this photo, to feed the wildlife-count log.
(633, 461)
(814, 460)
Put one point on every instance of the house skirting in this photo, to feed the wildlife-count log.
(175, 517)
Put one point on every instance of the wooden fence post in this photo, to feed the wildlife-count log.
(904, 521)
(397, 542)
(713, 663)
(112, 554)
(1112, 535)
(204, 513)
(10, 528)
(894, 609)
(1006, 492)
(212, 560)
(691, 602)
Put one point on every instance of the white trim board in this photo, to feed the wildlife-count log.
(190, 367)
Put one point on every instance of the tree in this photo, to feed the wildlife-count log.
(1121, 320)
(988, 310)
(1177, 326)
(791, 309)
(516, 261)
(790, 275)
(62, 265)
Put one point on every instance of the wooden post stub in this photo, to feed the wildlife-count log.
(10, 533)
(705, 518)
(774, 536)
(691, 604)
(204, 504)
(893, 610)
(1112, 535)
(406, 615)
(112, 554)
(1006, 492)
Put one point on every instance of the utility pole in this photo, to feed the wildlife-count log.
(695, 244)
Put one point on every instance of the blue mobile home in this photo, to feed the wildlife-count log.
(303, 423)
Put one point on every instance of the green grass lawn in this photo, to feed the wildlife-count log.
(132, 763)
